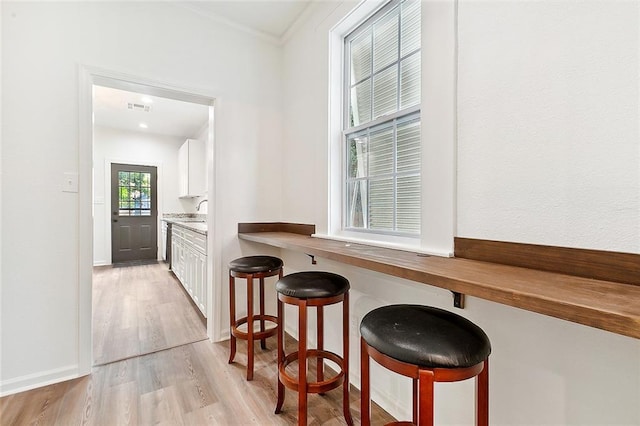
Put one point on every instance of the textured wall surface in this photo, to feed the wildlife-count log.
(548, 127)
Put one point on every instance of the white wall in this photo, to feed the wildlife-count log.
(43, 45)
(548, 136)
(119, 146)
(548, 153)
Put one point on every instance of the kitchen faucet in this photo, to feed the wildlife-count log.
(200, 203)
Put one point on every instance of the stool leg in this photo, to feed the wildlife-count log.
(425, 398)
(345, 359)
(415, 401)
(482, 396)
(320, 337)
(365, 392)
(232, 317)
(250, 327)
(280, 326)
(263, 342)
(302, 362)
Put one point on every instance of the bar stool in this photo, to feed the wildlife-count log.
(307, 289)
(428, 345)
(251, 267)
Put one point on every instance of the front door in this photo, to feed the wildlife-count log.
(134, 213)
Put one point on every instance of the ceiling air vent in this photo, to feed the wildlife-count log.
(139, 107)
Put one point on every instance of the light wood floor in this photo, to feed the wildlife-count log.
(140, 309)
(191, 384)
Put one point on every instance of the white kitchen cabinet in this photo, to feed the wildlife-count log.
(189, 263)
(192, 168)
(164, 241)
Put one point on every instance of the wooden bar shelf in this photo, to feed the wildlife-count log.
(607, 305)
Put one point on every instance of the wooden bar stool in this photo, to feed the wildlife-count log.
(308, 289)
(428, 345)
(251, 267)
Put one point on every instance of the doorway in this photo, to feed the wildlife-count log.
(90, 203)
(134, 213)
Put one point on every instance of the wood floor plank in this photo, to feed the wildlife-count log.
(140, 309)
(190, 384)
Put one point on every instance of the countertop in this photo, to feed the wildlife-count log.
(193, 224)
(607, 305)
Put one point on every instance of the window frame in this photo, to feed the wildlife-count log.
(438, 22)
(411, 113)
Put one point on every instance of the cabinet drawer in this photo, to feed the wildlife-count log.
(197, 240)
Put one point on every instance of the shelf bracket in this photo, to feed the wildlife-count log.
(313, 259)
(458, 300)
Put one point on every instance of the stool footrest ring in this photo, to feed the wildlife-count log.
(312, 387)
(257, 335)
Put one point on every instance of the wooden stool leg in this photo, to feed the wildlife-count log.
(250, 327)
(320, 337)
(425, 398)
(482, 396)
(302, 362)
(415, 401)
(263, 342)
(365, 392)
(345, 359)
(280, 326)
(232, 317)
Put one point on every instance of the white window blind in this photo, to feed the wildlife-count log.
(382, 122)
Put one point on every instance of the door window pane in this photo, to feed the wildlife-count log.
(134, 189)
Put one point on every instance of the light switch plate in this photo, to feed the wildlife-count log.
(70, 182)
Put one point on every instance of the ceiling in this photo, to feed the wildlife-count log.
(126, 110)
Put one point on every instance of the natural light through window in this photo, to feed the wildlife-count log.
(382, 126)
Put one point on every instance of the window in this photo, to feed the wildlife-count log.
(134, 193)
(381, 125)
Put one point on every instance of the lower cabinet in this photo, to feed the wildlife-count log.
(189, 263)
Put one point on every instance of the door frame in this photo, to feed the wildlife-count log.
(107, 203)
(89, 76)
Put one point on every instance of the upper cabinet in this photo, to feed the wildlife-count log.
(192, 168)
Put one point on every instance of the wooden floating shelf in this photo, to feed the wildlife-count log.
(607, 305)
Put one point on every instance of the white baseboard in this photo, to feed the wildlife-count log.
(36, 380)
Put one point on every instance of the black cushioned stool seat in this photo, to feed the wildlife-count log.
(308, 289)
(429, 345)
(251, 267)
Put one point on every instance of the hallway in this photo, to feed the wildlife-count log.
(139, 309)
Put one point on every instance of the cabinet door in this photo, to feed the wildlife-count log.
(202, 283)
(183, 169)
(175, 254)
(164, 241)
(190, 266)
(178, 255)
(192, 168)
(197, 167)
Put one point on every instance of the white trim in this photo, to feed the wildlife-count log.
(298, 22)
(85, 220)
(36, 380)
(230, 23)
(439, 70)
(214, 223)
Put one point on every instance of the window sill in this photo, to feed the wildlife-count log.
(414, 248)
